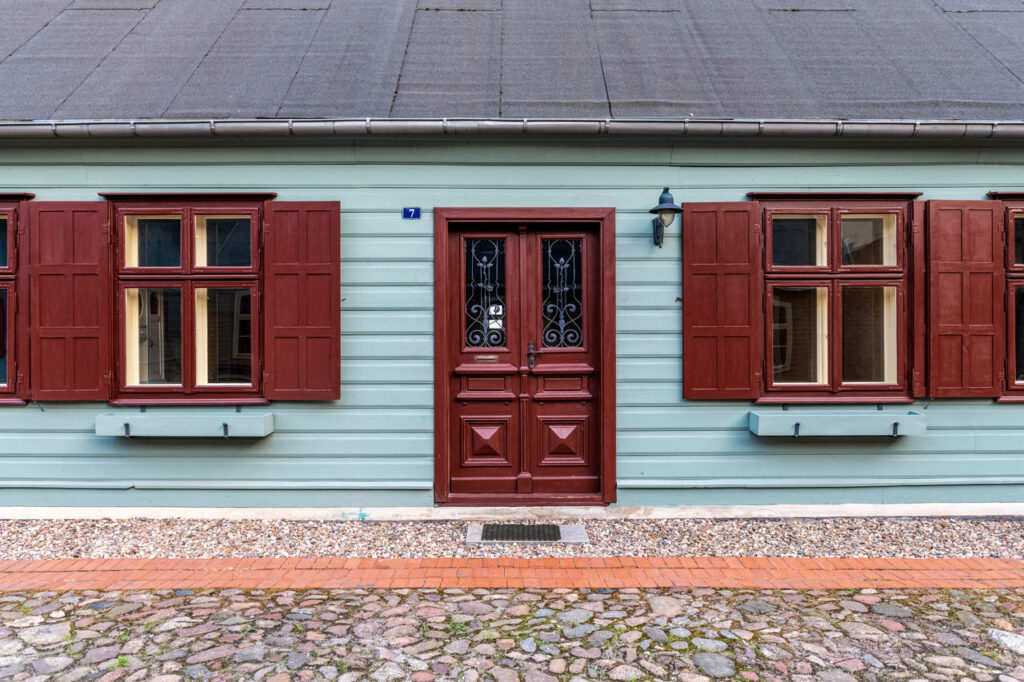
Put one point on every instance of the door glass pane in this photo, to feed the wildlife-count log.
(869, 239)
(485, 293)
(3, 337)
(152, 336)
(1018, 240)
(800, 335)
(798, 240)
(152, 242)
(223, 241)
(869, 334)
(562, 293)
(223, 336)
(3, 241)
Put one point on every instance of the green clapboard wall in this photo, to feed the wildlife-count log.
(375, 446)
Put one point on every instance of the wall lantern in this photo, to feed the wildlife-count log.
(666, 212)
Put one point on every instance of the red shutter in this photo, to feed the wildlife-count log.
(70, 285)
(723, 318)
(918, 301)
(302, 277)
(966, 284)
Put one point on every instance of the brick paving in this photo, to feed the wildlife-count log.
(589, 572)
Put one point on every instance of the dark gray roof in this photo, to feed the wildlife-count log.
(845, 59)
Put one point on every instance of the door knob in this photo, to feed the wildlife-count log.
(531, 355)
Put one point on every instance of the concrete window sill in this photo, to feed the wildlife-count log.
(800, 424)
(185, 425)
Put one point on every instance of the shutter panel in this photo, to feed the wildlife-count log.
(918, 301)
(70, 301)
(302, 282)
(966, 285)
(723, 318)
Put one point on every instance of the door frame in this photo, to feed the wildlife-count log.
(445, 219)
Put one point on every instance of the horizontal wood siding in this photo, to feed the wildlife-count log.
(375, 445)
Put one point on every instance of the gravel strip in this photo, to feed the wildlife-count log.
(835, 537)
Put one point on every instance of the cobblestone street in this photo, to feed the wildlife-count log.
(533, 634)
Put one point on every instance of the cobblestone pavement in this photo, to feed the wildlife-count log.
(504, 635)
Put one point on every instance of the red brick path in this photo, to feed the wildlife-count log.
(326, 572)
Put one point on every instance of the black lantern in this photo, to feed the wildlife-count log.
(666, 212)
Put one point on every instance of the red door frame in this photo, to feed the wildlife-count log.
(444, 218)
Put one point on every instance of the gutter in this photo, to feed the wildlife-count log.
(741, 128)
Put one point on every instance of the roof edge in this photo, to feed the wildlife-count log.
(351, 127)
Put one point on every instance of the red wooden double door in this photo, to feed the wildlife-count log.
(523, 362)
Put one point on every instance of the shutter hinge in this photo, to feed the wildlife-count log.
(20, 382)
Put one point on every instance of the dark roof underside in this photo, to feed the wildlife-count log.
(866, 59)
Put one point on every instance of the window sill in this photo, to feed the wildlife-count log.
(797, 424)
(835, 399)
(185, 425)
(142, 401)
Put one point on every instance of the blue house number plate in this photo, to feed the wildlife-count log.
(411, 213)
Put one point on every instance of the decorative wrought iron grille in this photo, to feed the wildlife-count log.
(485, 293)
(561, 289)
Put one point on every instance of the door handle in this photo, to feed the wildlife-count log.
(531, 355)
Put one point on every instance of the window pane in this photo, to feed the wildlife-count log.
(3, 242)
(3, 336)
(223, 241)
(800, 335)
(152, 242)
(869, 334)
(152, 336)
(1018, 240)
(869, 239)
(485, 293)
(1018, 323)
(562, 293)
(223, 336)
(798, 240)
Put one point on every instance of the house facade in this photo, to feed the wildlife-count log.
(332, 254)
(437, 402)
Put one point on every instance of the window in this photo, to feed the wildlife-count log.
(835, 282)
(1015, 296)
(188, 293)
(797, 300)
(8, 298)
(185, 300)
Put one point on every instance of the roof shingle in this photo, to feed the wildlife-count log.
(136, 59)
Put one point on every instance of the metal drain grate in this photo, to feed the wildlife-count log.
(521, 532)
(524, 532)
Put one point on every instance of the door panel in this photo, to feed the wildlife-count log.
(525, 362)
